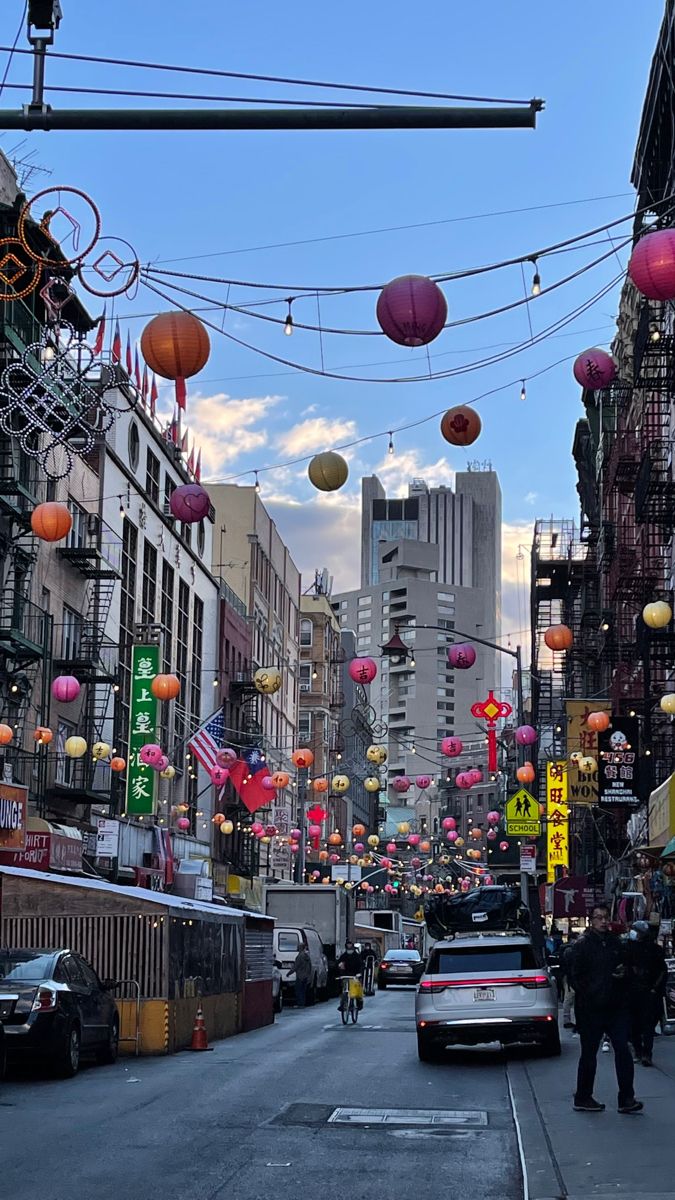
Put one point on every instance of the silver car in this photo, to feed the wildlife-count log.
(485, 988)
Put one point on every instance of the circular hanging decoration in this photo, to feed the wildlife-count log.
(359, 847)
(302, 758)
(452, 835)
(320, 785)
(162, 763)
(268, 783)
(373, 840)
(189, 503)
(391, 847)
(493, 817)
(401, 784)
(461, 656)
(65, 688)
(559, 637)
(43, 735)
(461, 426)
(27, 222)
(176, 346)
(371, 783)
(335, 838)
(51, 522)
(227, 827)
(257, 828)
(414, 839)
(526, 735)
(328, 471)
(576, 757)
(598, 721)
(423, 781)
(6, 734)
(463, 780)
(451, 747)
(657, 615)
(594, 369)
(280, 780)
(339, 783)
(363, 670)
(667, 703)
(150, 754)
(334, 859)
(411, 310)
(526, 773)
(75, 747)
(652, 265)
(19, 273)
(377, 755)
(108, 268)
(165, 687)
(226, 757)
(100, 751)
(491, 835)
(267, 680)
(475, 776)
(117, 764)
(168, 772)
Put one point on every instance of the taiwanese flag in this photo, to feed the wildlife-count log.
(100, 335)
(191, 461)
(144, 386)
(137, 371)
(117, 344)
(246, 776)
(153, 397)
(129, 358)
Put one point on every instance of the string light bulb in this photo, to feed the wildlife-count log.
(288, 325)
(536, 279)
(257, 482)
(215, 683)
(122, 513)
(523, 392)
(390, 447)
(412, 661)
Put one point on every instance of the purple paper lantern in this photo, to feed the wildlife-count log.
(295, 835)
(189, 503)
(493, 817)
(448, 823)
(423, 781)
(334, 859)
(594, 369)
(226, 757)
(652, 265)
(461, 656)
(452, 835)
(401, 783)
(219, 776)
(268, 783)
(526, 735)
(162, 763)
(363, 670)
(359, 847)
(451, 747)
(411, 310)
(151, 754)
(65, 688)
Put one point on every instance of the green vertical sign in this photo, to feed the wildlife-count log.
(142, 729)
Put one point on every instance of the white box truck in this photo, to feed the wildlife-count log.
(326, 909)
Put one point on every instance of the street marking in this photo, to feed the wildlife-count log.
(407, 1116)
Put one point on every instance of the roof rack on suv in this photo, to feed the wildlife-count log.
(486, 909)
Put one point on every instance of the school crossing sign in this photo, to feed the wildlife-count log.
(522, 815)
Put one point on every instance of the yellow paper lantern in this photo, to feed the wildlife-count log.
(377, 755)
(75, 747)
(328, 471)
(404, 827)
(100, 750)
(182, 808)
(373, 840)
(267, 680)
(667, 703)
(588, 764)
(168, 772)
(227, 827)
(657, 614)
(372, 783)
(353, 858)
(340, 783)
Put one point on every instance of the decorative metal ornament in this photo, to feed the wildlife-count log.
(25, 217)
(121, 274)
(18, 277)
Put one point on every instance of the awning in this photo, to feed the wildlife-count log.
(668, 849)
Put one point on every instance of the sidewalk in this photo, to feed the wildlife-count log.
(579, 1156)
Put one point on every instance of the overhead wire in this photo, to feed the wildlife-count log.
(12, 50)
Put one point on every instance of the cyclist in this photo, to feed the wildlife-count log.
(351, 963)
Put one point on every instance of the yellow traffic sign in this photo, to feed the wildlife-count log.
(522, 815)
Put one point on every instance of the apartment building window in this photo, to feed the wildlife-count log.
(169, 489)
(168, 579)
(152, 476)
(197, 653)
(65, 766)
(77, 537)
(304, 727)
(305, 677)
(365, 600)
(306, 632)
(71, 633)
(446, 598)
(364, 627)
(363, 641)
(149, 590)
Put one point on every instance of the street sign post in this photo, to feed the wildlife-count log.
(528, 859)
(522, 815)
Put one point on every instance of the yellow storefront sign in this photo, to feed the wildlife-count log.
(583, 785)
(557, 819)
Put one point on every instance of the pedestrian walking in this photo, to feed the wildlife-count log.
(647, 975)
(302, 969)
(598, 974)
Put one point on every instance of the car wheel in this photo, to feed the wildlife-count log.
(67, 1062)
(109, 1051)
(426, 1051)
(550, 1048)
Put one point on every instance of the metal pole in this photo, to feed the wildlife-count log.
(37, 105)
(384, 117)
(302, 821)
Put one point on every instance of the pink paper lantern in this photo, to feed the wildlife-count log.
(463, 780)
(652, 265)
(189, 503)
(295, 835)
(370, 888)
(315, 831)
(493, 817)
(411, 310)
(449, 823)
(359, 847)
(414, 839)
(461, 656)
(391, 847)
(491, 835)
(183, 823)
(451, 747)
(452, 835)
(65, 688)
(488, 880)
(161, 764)
(150, 754)
(475, 776)
(294, 848)
(226, 757)
(389, 889)
(385, 862)
(268, 783)
(316, 874)
(423, 781)
(219, 776)
(526, 735)
(401, 783)
(363, 670)
(334, 859)
(415, 862)
(256, 828)
(503, 846)
(594, 368)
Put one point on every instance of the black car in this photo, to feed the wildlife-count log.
(56, 1009)
(400, 966)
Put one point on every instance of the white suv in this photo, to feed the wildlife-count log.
(485, 988)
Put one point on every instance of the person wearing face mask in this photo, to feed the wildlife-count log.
(647, 974)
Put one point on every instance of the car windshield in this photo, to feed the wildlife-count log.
(464, 960)
(17, 965)
(402, 956)
(288, 941)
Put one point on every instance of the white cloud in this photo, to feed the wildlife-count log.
(316, 433)
(225, 427)
(530, 497)
(322, 532)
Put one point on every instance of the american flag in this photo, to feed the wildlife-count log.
(208, 740)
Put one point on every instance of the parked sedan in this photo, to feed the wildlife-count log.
(400, 966)
(58, 1009)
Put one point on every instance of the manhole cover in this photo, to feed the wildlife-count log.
(408, 1116)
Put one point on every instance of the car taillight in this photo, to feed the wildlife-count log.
(45, 1000)
(427, 986)
(384, 966)
(538, 981)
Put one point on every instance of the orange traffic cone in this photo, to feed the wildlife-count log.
(199, 1038)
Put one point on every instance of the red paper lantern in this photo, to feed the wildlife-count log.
(423, 781)
(183, 823)
(503, 846)
(391, 847)
(599, 721)
(363, 670)
(165, 687)
(190, 503)
(594, 369)
(411, 310)
(314, 831)
(461, 656)
(52, 521)
(652, 265)
(526, 773)
(449, 823)
(461, 425)
(401, 783)
(452, 747)
(359, 830)
(176, 346)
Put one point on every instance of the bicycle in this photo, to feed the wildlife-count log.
(352, 994)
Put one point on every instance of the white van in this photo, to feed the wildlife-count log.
(288, 940)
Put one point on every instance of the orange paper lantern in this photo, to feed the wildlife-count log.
(302, 758)
(165, 687)
(43, 735)
(280, 779)
(335, 839)
(6, 735)
(320, 785)
(526, 773)
(176, 346)
(599, 721)
(461, 425)
(558, 637)
(51, 521)
(359, 831)
(117, 764)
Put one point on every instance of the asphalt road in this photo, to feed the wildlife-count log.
(251, 1119)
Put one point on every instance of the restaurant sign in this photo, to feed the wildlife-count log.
(46, 852)
(140, 798)
(13, 800)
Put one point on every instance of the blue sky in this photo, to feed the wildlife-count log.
(178, 195)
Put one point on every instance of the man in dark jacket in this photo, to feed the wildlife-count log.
(647, 974)
(597, 972)
(302, 969)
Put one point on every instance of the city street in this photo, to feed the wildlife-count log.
(252, 1119)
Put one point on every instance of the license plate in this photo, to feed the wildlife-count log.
(6, 1006)
(403, 970)
(484, 993)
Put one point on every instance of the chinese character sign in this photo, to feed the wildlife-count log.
(557, 818)
(583, 785)
(142, 728)
(618, 762)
